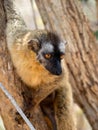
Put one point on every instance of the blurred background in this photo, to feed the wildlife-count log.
(32, 18)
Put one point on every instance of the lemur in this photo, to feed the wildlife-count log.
(38, 56)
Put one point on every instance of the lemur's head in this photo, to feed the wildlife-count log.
(50, 50)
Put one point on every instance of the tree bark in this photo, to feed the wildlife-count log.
(66, 18)
(18, 90)
(97, 9)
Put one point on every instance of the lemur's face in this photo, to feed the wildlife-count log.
(50, 51)
(50, 56)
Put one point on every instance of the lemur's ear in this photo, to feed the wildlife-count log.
(34, 45)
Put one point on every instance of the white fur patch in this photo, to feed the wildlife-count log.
(48, 47)
(62, 46)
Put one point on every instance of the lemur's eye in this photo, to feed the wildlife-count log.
(62, 56)
(48, 56)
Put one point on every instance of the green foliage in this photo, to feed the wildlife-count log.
(84, 0)
(96, 34)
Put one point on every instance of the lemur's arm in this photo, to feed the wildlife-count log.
(64, 112)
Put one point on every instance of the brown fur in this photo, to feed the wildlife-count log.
(43, 82)
(34, 74)
(27, 66)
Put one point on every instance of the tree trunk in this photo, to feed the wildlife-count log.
(66, 18)
(97, 9)
(18, 90)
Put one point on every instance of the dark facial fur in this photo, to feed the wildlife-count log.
(49, 44)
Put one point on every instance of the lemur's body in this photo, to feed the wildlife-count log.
(36, 56)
